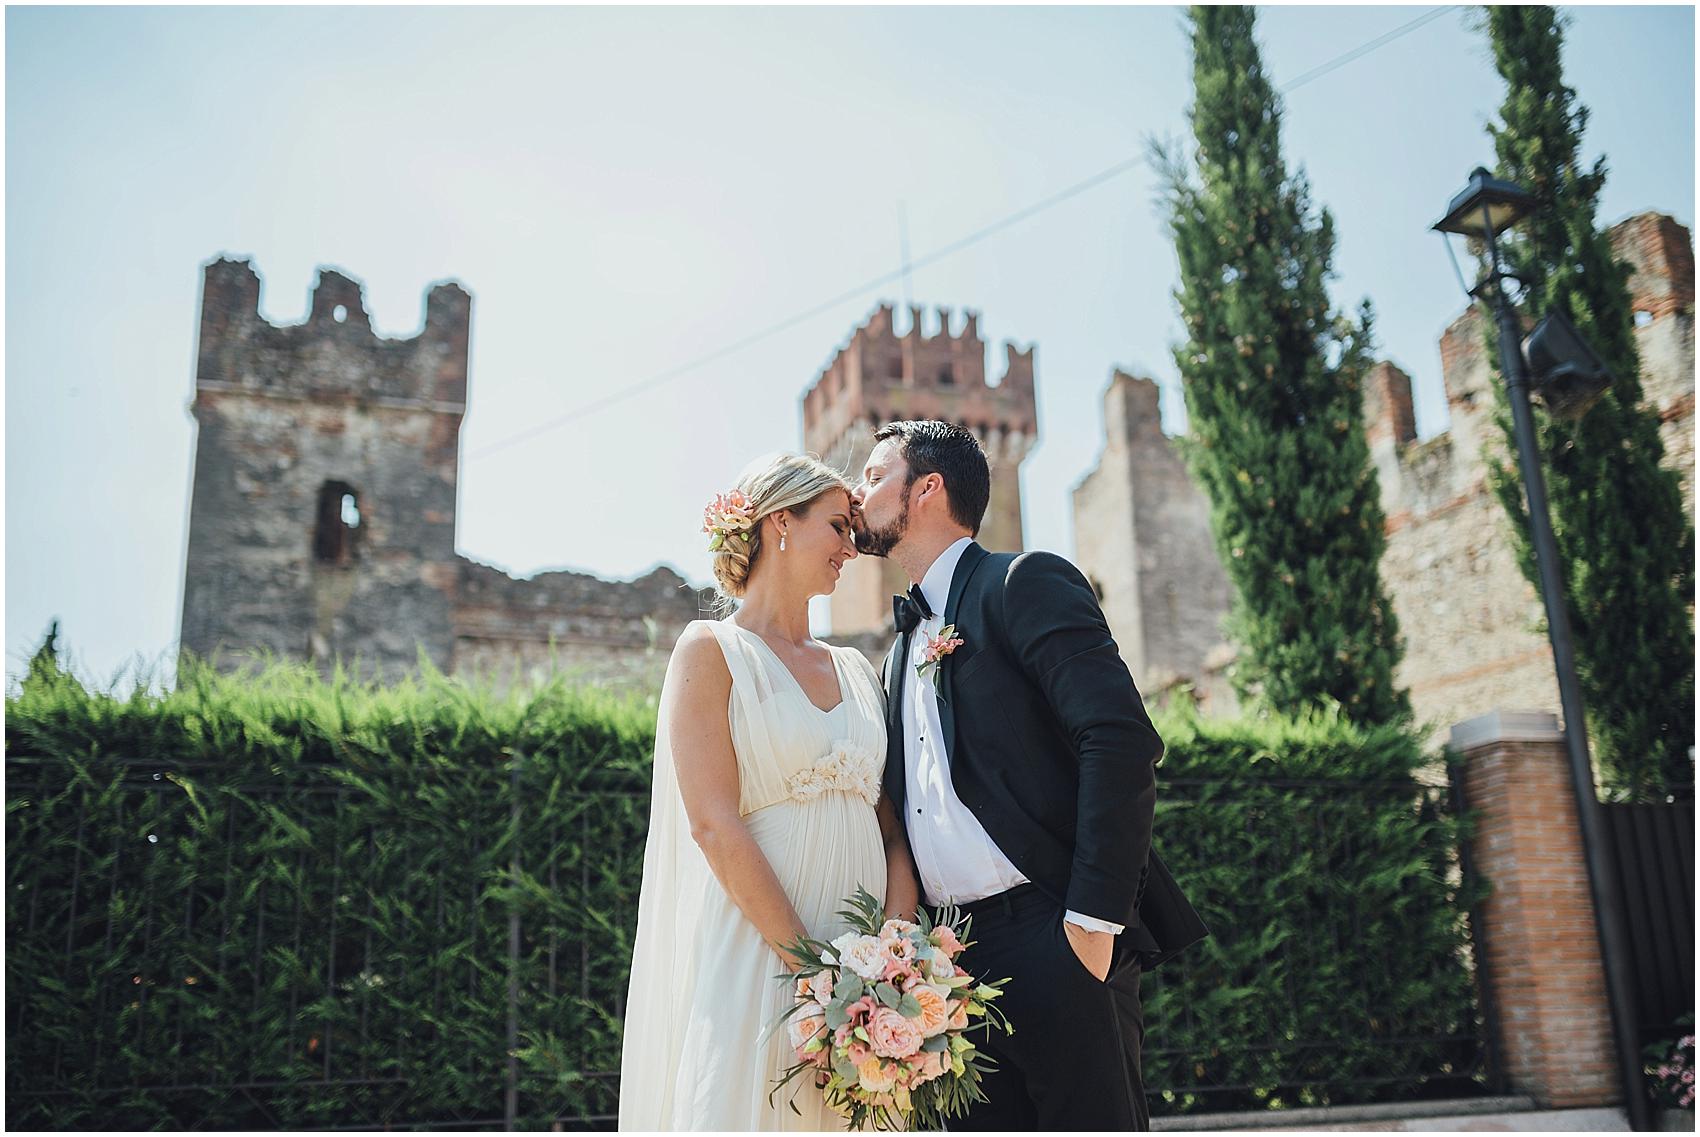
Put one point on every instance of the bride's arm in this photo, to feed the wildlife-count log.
(694, 698)
(902, 889)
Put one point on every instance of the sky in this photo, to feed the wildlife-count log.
(627, 191)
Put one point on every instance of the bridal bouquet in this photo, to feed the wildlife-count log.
(882, 1016)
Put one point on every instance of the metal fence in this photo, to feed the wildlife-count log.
(313, 932)
(1390, 1057)
(1654, 849)
(309, 931)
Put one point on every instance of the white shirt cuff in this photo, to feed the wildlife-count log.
(1092, 924)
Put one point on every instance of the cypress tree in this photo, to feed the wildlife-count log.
(1624, 540)
(1273, 386)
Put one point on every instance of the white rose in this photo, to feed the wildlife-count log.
(864, 955)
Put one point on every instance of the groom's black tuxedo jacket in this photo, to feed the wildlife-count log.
(1049, 744)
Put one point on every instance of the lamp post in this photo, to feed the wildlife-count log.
(1570, 380)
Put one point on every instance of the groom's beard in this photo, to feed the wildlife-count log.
(872, 542)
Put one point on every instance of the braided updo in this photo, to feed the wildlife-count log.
(789, 481)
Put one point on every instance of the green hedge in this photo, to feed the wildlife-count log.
(1339, 968)
(179, 866)
(278, 902)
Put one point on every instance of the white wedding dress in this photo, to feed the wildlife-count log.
(703, 985)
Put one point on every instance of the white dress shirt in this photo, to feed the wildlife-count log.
(956, 857)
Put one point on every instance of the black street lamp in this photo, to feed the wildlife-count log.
(1568, 378)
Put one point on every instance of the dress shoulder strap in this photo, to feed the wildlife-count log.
(751, 678)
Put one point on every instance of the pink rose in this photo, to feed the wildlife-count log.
(822, 987)
(893, 1035)
(895, 939)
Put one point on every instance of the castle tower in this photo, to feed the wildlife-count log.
(322, 517)
(1142, 537)
(879, 377)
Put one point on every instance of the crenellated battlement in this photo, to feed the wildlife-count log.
(934, 369)
(880, 374)
(334, 351)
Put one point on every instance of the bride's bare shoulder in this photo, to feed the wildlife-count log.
(697, 650)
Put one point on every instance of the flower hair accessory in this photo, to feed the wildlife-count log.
(938, 647)
(728, 515)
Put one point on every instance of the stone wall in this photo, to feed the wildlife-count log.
(291, 421)
(1142, 536)
(322, 521)
(879, 377)
(1471, 622)
(616, 634)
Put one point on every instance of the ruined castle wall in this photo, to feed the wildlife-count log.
(1142, 535)
(284, 410)
(1471, 621)
(281, 412)
(616, 634)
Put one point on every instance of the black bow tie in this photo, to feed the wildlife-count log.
(909, 609)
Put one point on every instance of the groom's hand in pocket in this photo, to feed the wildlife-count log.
(1093, 949)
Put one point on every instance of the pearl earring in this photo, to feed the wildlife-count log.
(782, 541)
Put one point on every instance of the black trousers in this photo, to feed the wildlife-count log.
(1073, 1061)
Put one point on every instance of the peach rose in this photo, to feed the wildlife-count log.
(893, 1035)
(805, 1025)
(876, 1076)
(958, 1016)
(935, 1009)
(928, 1067)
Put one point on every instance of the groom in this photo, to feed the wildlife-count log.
(1022, 765)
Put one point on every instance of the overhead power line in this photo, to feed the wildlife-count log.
(998, 226)
(1365, 49)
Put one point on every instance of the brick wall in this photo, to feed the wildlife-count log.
(1537, 944)
(880, 376)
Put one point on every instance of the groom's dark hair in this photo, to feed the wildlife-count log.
(929, 446)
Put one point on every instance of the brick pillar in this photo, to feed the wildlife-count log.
(1538, 948)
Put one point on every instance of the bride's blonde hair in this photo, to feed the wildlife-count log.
(789, 481)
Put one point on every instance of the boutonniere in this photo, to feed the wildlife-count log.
(938, 647)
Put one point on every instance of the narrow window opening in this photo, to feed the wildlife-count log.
(338, 524)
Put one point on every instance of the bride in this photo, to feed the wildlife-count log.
(765, 815)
